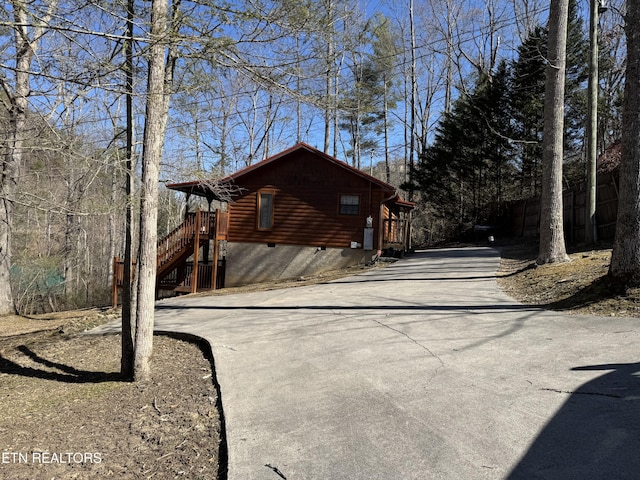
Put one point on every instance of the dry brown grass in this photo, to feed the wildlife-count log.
(580, 286)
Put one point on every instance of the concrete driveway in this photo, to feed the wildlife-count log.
(420, 370)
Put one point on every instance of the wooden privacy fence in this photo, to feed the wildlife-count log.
(525, 214)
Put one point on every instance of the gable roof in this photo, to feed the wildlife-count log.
(206, 189)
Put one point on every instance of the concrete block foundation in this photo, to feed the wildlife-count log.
(249, 263)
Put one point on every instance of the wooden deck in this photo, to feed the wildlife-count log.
(187, 245)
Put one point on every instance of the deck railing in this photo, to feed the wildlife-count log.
(185, 240)
(393, 231)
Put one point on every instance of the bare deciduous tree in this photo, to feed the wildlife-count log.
(154, 130)
(27, 34)
(552, 247)
(625, 258)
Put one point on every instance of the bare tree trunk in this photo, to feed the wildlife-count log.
(7, 193)
(552, 247)
(625, 259)
(387, 166)
(449, 61)
(128, 303)
(412, 127)
(334, 105)
(590, 227)
(155, 125)
(13, 159)
(299, 89)
(7, 189)
(25, 49)
(329, 79)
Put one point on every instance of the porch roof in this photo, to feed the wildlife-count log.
(221, 190)
(401, 204)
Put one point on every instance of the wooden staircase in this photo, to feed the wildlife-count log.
(174, 270)
(179, 244)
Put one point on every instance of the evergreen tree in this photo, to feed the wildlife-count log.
(493, 98)
(466, 168)
(360, 116)
(527, 99)
(527, 103)
(365, 104)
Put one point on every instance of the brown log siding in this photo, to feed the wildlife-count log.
(306, 205)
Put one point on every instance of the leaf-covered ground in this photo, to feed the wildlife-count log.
(65, 414)
(580, 286)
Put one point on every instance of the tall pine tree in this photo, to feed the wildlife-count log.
(465, 170)
(527, 103)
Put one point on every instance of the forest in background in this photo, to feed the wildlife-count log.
(439, 98)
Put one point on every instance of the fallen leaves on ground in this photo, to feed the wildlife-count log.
(580, 286)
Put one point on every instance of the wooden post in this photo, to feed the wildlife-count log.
(206, 230)
(216, 252)
(523, 224)
(114, 285)
(196, 252)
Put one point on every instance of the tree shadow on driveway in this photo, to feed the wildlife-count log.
(594, 435)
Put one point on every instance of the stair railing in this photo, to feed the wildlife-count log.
(184, 234)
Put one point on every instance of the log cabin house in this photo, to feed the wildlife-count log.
(297, 213)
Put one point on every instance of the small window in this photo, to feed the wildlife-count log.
(265, 210)
(349, 204)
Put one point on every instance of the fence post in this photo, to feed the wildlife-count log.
(196, 252)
